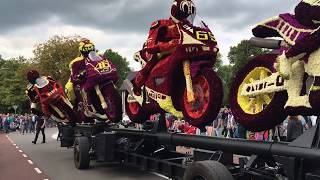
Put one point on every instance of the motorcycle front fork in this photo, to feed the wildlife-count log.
(187, 75)
(102, 100)
(93, 112)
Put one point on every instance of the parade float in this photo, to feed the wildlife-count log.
(259, 101)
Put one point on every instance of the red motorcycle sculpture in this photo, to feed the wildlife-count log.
(184, 85)
(50, 94)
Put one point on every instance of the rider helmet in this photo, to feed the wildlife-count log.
(86, 46)
(32, 76)
(182, 9)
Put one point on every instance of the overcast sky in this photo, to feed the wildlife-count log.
(122, 25)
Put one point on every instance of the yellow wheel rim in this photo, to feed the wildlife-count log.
(255, 104)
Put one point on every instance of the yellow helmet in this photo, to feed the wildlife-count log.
(86, 46)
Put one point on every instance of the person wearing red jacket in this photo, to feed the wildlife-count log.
(163, 37)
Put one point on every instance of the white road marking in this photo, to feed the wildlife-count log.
(160, 175)
(20, 151)
(24, 155)
(55, 135)
(9, 139)
(38, 170)
(30, 162)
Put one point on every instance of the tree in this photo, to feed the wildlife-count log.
(241, 54)
(238, 57)
(225, 74)
(120, 62)
(53, 56)
(13, 84)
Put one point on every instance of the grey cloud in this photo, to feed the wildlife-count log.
(133, 15)
(239, 14)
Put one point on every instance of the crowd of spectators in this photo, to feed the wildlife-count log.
(225, 126)
(17, 122)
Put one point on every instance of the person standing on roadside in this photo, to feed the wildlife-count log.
(294, 128)
(40, 126)
(6, 124)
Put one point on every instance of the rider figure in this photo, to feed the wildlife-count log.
(163, 37)
(307, 13)
(77, 79)
(34, 77)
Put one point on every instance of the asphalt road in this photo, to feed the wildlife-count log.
(57, 163)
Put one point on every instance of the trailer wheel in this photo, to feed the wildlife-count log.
(81, 152)
(207, 170)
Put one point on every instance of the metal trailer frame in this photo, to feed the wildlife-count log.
(154, 150)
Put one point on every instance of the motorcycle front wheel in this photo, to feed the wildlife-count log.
(113, 100)
(67, 110)
(207, 88)
(135, 111)
(261, 112)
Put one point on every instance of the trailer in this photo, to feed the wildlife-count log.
(154, 149)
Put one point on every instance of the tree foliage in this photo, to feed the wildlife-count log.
(241, 54)
(238, 56)
(13, 84)
(53, 56)
(120, 62)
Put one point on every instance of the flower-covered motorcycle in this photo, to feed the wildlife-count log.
(261, 97)
(185, 84)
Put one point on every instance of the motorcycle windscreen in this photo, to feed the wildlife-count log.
(196, 21)
(93, 56)
(41, 82)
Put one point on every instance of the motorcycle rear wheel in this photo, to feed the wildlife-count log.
(208, 94)
(260, 112)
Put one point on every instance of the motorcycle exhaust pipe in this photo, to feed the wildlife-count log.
(266, 43)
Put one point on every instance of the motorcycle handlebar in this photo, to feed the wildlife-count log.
(266, 43)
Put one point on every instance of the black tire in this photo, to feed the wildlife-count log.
(273, 113)
(207, 170)
(135, 112)
(81, 152)
(214, 99)
(113, 100)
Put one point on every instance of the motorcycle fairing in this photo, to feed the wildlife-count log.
(47, 90)
(164, 101)
(99, 71)
(285, 26)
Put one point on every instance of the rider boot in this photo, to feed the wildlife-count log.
(298, 97)
(142, 76)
